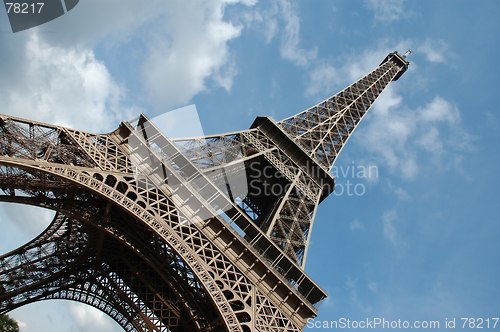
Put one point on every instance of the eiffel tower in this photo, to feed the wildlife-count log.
(151, 234)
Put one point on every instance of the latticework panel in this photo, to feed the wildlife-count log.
(269, 319)
(102, 150)
(213, 151)
(291, 225)
(120, 279)
(32, 140)
(40, 259)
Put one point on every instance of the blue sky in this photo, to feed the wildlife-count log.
(421, 242)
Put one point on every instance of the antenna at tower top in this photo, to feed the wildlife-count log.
(406, 54)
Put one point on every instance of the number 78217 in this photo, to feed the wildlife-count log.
(23, 8)
(478, 322)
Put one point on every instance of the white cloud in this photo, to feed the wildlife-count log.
(356, 225)
(435, 50)
(386, 10)
(388, 219)
(439, 110)
(430, 141)
(402, 194)
(92, 21)
(388, 132)
(268, 18)
(264, 20)
(409, 167)
(63, 86)
(441, 134)
(189, 47)
(394, 133)
(324, 78)
(290, 49)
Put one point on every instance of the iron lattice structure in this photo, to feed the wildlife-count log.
(125, 240)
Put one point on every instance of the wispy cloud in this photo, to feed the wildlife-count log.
(387, 134)
(388, 219)
(263, 18)
(402, 194)
(492, 120)
(351, 286)
(441, 133)
(356, 225)
(280, 19)
(386, 10)
(439, 110)
(435, 50)
(323, 78)
(290, 48)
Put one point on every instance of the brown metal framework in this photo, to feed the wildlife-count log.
(125, 240)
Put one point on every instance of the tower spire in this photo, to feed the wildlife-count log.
(323, 130)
